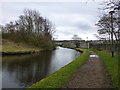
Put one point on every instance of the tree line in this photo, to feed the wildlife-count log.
(105, 24)
(31, 28)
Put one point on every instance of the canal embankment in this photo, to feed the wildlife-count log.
(22, 71)
(99, 72)
(60, 77)
(12, 48)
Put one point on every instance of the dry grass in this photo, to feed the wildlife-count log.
(9, 46)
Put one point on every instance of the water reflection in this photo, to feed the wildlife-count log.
(23, 71)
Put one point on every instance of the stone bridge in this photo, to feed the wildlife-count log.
(71, 43)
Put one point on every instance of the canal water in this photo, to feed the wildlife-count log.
(24, 70)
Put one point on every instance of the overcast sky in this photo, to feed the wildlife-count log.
(70, 18)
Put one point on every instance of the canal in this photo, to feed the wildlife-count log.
(24, 70)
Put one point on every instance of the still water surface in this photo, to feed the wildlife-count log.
(22, 71)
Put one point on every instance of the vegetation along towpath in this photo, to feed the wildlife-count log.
(92, 74)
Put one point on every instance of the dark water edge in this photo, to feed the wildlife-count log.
(18, 53)
(24, 70)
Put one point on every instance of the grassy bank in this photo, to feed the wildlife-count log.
(111, 65)
(9, 46)
(57, 79)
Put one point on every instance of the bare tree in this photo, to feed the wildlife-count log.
(105, 21)
(31, 27)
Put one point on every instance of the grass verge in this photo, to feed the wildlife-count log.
(57, 79)
(111, 64)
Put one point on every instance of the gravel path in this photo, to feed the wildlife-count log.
(91, 75)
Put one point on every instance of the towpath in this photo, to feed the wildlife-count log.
(92, 74)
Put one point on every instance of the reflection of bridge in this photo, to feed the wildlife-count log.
(71, 43)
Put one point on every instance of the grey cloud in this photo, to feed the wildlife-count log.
(83, 26)
(69, 18)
